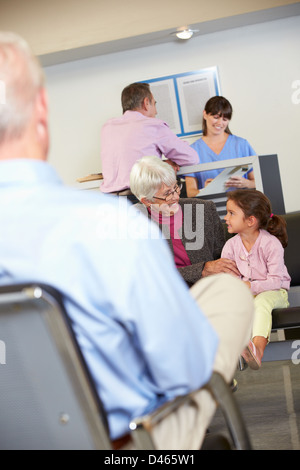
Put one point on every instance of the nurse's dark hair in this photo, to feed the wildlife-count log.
(217, 105)
(255, 203)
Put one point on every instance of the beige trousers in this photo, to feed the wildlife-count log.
(228, 304)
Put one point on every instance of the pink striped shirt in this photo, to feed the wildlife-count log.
(126, 139)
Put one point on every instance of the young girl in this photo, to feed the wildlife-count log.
(258, 250)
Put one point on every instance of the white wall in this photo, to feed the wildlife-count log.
(257, 67)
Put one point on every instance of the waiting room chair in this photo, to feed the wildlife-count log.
(286, 321)
(47, 398)
(224, 398)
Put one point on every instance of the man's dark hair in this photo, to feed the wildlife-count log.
(133, 96)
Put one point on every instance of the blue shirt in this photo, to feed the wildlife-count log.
(143, 336)
(235, 147)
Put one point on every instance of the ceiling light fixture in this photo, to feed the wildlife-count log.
(185, 34)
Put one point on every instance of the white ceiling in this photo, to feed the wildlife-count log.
(66, 30)
(167, 35)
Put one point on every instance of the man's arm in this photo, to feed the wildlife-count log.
(173, 165)
(174, 148)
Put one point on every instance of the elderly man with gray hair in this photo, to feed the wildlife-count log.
(123, 295)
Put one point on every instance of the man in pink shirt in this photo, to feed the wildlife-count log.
(137, 133)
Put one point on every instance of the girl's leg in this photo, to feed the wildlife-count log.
(264, 303)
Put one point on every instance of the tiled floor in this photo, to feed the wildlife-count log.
(269, 399)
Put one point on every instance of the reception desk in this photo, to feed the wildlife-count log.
(266, 173)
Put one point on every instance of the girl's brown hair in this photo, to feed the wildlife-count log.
(253, 202)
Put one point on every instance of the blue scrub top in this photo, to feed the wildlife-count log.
(235, 147)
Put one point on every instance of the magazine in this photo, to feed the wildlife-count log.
(218, 183)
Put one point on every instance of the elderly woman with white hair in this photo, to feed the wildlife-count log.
(191, 226)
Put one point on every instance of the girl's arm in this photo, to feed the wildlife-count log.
(276, 271)
(228, 250)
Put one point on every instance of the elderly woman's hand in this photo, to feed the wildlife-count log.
(222, 265)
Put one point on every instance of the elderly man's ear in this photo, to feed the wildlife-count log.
(41, 116)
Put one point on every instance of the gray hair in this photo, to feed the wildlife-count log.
(21, 77)
(147, 176)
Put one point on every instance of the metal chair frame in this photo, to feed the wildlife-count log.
(77, 416)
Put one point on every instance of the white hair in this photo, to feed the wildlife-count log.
(21, 77)
(148, 175)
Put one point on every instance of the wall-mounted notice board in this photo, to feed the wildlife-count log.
(181, 98)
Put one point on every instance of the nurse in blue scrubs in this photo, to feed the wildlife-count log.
(218, 143)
